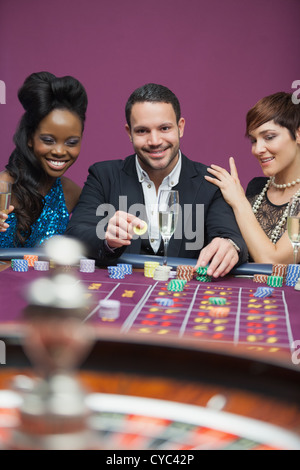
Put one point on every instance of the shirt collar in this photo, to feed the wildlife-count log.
(171, 179)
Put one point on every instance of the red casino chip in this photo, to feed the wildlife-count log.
(185, 272)
(261, 278)
(219, 312)
(279, 270)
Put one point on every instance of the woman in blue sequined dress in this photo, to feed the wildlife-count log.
(47, 142)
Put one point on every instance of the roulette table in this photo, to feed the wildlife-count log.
(173, 377)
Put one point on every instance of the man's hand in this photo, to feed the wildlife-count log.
(3, 217)
(221, 255)
(120, 229)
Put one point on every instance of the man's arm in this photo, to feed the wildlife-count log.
(223, 234)
(84, 221)
(97, 221)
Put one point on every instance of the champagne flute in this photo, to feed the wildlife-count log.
(168, 210)
(293, 224)
(5, 196)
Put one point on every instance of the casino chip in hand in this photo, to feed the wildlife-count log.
(140, 231)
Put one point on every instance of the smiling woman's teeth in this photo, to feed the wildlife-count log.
(56, 163)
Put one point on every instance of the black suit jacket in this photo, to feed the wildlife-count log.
(110, 179)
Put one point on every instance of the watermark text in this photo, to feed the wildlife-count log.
(189, 226)
(2, 92)
(296, 353)
(296, 94)
(2, 352)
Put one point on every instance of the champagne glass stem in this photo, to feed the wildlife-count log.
(295, 253)
(166, 245)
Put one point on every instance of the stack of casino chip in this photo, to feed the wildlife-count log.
(66, 268)
(260, 278)
(127, 268)
(217, 300)
(41, 266)
(176, 285)
(275, 281)
(297, 285)
(31, 259)
(164, 302)
(109, 310)
(202, 275)
(279, 270)
(172, 273)
(115, 272)
(149, 268)
(161, 273)
(87, 266)
(263, 292)
(217, 307)
(219, 312)
(20, 265)
(292, 274)
(185, 272)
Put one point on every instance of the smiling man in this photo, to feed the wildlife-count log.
(121, 194)
(155, 134)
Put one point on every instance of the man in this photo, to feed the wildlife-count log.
(119, 190)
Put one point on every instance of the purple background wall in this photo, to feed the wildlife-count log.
(218, 56)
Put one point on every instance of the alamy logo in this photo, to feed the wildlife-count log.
(2, 352)
(296, 353)
(190, 225)
(2, 92)
(296, 94)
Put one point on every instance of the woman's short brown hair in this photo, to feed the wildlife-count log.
(279, 108)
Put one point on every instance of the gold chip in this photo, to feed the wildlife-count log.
(140, 231)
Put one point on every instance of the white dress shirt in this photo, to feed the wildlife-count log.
(151, 198)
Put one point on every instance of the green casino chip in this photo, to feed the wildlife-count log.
(204, 278)
(275, 281)
(202, 271)
(217, 300)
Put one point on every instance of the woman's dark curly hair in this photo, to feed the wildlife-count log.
(40, 94)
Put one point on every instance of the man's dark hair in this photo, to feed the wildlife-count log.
(152, 93)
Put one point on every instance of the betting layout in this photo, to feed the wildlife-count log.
(258, 322)
(149, 306)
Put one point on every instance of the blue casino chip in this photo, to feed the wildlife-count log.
(164, 302)
(263, 292)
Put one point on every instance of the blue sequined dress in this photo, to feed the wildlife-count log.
(52, 221)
